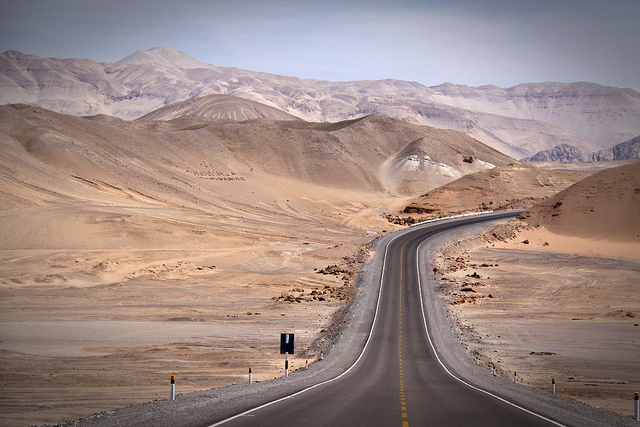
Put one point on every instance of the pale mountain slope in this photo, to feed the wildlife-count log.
(604, 115)
(219, 107)
(148, 80)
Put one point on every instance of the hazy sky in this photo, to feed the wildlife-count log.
(501, 42)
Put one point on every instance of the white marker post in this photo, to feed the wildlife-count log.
(636, 409)
(286, 364)
(250, 377)
(515, 377)
(553, 385)
(173, 387)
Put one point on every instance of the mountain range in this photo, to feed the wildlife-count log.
(518, 121)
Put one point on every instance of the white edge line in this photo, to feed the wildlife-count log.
(375, 317)
(442, 364)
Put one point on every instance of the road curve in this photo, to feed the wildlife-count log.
(398, 379)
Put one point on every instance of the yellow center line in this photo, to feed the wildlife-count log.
(402, 395)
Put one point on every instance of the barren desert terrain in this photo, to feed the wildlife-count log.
(133, 251)
(558, 298)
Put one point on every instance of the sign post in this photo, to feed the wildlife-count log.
(286, 348)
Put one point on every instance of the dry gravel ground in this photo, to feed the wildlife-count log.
(201, 407)
(550, 308)
(74, 343)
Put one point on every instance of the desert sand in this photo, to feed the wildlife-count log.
(130, 254)
(133, 251)
(563, 306)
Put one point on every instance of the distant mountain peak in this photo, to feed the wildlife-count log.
(163, 56)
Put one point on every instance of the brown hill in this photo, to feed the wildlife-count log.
(94, 167)
(510, 186)
(602, 206)
(219, 107)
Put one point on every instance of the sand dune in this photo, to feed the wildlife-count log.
(602, 206)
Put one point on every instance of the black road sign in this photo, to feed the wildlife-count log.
(286, 343)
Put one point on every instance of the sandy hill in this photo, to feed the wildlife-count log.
(602, 206)
(511, 186)
(101, 166)
(518, 121)
(219, 107)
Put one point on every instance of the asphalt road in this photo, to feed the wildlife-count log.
(398, 380)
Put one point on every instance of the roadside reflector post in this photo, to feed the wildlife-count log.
(553, 385)
(466, 349)
(476, 359)
(515, 377)
(321, 355)
(306, 365)
(286, 364)
(250, 377)
(173, 387)
(333, 344)
(458, 339)
(494, 369)
(636, 409)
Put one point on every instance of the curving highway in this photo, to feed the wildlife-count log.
(398, 379)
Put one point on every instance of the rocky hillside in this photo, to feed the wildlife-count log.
(561, 153)
(505, 187)
(518, 121)
(624, 151)
(627, 150)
